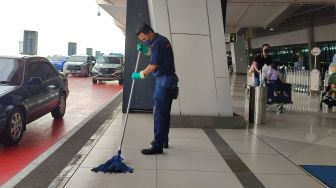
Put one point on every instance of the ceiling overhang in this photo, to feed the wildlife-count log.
(117, 9)
(240, 15)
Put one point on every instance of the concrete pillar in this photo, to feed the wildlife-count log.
(239, 55)
(200, 54)
(311, 45)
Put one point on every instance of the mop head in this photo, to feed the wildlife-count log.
(114, 165)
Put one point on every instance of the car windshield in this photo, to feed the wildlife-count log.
(108, 60)
(11, 71)
(77, 59)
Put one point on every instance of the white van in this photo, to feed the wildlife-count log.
(79, 65)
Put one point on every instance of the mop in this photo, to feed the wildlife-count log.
(115, 164)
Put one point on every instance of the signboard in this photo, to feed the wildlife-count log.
(315, 51)
(232, 37)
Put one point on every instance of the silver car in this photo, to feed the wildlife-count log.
(79, 65)
(108, 67)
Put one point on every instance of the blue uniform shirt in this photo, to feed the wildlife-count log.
(162, 56)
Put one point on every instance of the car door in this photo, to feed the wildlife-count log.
(52, 82)
(37, 94)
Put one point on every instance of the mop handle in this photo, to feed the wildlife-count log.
(129, 103)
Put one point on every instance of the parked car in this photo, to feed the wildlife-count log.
(79, 65)
(30, 87)
(59, 62)
(108, 68)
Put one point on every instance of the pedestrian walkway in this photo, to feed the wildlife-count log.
(261, 156)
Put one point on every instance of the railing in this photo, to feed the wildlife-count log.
(299, 79)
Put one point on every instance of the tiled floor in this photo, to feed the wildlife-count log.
(272, 152)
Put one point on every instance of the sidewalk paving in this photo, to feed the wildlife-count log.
(191, 161)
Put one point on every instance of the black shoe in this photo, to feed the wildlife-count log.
(165, 145)
(152, 151)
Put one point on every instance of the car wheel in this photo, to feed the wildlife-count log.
(14, 128)
(94, 81)
(59, 111)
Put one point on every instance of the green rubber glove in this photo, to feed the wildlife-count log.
(142, 48)
(136, 76)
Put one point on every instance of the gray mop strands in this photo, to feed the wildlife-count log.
(115, 164)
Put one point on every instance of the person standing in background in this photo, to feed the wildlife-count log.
(259, 62)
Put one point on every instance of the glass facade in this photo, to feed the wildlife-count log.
(287, 55)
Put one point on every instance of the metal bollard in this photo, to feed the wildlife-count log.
(260, 105)
(249, 104)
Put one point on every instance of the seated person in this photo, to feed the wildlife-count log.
(273, 77)
(331, 89)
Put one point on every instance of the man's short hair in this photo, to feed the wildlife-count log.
(266, 45)
(144, 28)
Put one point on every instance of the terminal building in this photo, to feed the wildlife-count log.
(30, 41)
(226, 131)
(72, 48)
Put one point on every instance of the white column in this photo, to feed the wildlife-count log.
(239, 55)
(195, 29)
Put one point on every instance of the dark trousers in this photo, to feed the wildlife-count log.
(256, 80)
(164, 90)
(161, 122)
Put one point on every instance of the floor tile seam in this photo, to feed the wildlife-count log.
(191, 138)
(306, 148)
(244, 153)
(237, 152)
(113, 173)
(191, 170)
(112, 135)
(301, 150)
(104, 127)
(273, 131)
(269, 145)
(202, 171)
(279, 173)
(289, 174)
(79, 157)
(189, 151)
(252, 138)
(309, 124)
(215, 138)
(109, 136)
(170, 150)
(135, 168)
(305, 172)
(156, 171)
(297, 140)
(309, 145)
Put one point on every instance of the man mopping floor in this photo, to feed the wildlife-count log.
(162, 67)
